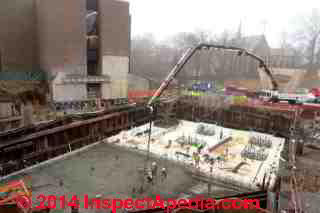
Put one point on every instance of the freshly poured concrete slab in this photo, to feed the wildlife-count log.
(110, 171)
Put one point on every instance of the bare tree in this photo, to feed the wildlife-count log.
(220, 60)
(150, 58)
(155, 59)
(184, 40)
(308, 37)
(287, 49)
(143, 49)
(200, 62)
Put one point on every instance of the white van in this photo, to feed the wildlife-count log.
(292, 98)
(267, 95)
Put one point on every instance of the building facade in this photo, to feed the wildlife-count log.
(83, 45)
(18, 43)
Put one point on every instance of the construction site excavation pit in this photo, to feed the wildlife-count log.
(115, 167)
(247, 159)
(109, 171)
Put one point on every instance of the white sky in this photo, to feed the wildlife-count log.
(167, 17)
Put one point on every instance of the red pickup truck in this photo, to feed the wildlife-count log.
(315, 92)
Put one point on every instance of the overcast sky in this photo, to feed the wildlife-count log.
(166, 17)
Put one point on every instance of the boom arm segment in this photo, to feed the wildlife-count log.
(191, 51)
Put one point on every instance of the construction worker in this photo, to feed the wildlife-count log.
(163, 174)
(169, 144)
(149, 177)
(188, 150)
(154, 169)
(196, 158)
(199, 148)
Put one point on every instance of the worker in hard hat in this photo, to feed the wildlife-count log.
(196, 158)
(163, 174)
(154, 170)
(149, 177)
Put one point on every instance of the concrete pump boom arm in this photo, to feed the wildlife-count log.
(191, 51)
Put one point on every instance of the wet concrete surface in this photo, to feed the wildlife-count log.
(113, 172)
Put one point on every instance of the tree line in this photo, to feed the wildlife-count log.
(154, 59)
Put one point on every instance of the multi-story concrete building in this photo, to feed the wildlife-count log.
(84, 45)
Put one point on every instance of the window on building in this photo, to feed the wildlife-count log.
(94, 91)
(92, 68)
(92, 5)
(92, 38)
